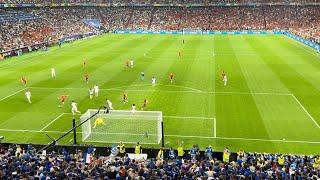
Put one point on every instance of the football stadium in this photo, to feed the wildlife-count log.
(158, 89)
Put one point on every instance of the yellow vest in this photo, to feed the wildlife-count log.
(122, 149)
(180, 151)
(316, 163)
(226, 156)
(281, 160)
(137, 150)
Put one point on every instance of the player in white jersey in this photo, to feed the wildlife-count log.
(133, 108)
(153, 81)
(96, 90)
(28, 95)
(224, 79)
(109, 103)
(91, 92)
(53, 73)
(74, 108)
(131, 63)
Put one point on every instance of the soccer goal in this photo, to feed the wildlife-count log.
(121, 125)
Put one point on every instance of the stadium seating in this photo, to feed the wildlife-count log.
(13, 16)
(157, 1)
(30, 26)
(23, 27)
(19, 162)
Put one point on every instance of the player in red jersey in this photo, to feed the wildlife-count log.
(84, 63)
(62, 99)
(224, 78)
(24, 80)
(144, 105)
(223, 74)
(171, 77)
(125, 97)
(86, 78)
(127, 64)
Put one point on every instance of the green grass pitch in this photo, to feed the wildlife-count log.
(271, 102)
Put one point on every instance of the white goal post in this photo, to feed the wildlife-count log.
(144, 127)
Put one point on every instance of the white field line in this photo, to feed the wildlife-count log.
(215, 127)
(246, 139)
(52, 122)
(220, 53)
(175, 117)
(119, 87)
(252, 93)
(177, 91)
(304, 47)
(181, 136)
(305, 110)
(252, 54)
(12, 94)
(193, 89)
(116, 142)
(187, 117)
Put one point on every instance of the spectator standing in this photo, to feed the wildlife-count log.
(194, 152)
(137, 149)
(122, 149)
(208, 153)
(226, 155)
(180, 151)
(171, 153)
(160, 154)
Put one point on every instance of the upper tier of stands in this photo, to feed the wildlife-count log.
(16, 16)
(56, 23)
(159, 1)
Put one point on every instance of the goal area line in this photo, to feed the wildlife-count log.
(180, 136)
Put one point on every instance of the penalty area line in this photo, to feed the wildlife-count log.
(51, 122)
(191, 90)
(12, 94)
(246, 139)
(187, 117)
(305, 110)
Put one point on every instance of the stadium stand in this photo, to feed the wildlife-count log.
(13, 16)
(24, 27)
(23, 162)
(30, 26)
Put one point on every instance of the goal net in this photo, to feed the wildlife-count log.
(121, 125)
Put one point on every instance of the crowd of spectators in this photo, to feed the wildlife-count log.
(51, 25)
(158, 1)
(57, 23)
(18, 162)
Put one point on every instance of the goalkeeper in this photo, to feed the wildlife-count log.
(99, 122)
